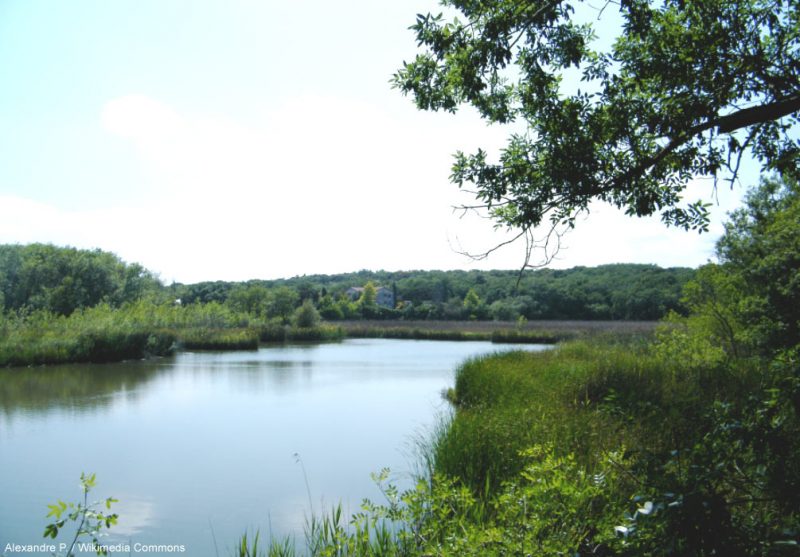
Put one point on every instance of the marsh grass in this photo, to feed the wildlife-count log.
(277, 332)
(88, 336)
(142, 329)
(105, 334)
(317, 333)
(583, 398)
(533, 332)
(218, 339)
(400, 332)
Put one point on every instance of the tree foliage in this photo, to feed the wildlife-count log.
(738, 483)
(686, 89)
(368, 296)
(253, 299)
(761, 247)
(617, 292)
(63, 279)
(749, 303)
(306, 315)
(282, 303)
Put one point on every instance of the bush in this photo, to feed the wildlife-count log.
(306, 316)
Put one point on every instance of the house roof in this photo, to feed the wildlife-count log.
(361, 288)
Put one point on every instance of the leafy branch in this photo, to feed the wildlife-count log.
(91, 518)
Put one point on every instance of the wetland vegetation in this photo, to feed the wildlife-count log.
(681, 440)
(69, 305)
(685, 442)
(676, 440)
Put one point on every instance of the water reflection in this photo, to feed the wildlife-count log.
(135, 515)
(80, 388)
(278, 376)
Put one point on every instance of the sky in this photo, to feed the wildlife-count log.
(256, 139)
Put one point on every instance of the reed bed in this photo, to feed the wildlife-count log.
(218, 339)
(534, 332)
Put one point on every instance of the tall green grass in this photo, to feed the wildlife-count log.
(400, 332)
(105, 334)
(276, 332)
(456, 332)
(583, 398)
(95, 335)
(218, 339)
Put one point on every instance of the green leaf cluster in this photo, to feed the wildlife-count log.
(62, 279)
(668, 91)
(91, 519)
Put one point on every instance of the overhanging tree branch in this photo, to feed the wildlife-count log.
(724, 125)
(758, 114)
(673, 81)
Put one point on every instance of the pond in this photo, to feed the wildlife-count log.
(203, 446)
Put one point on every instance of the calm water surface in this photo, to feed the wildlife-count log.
(203, 446)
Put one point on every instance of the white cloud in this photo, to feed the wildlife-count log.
(317, 185)
(140, 118)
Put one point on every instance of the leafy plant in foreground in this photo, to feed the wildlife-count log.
(91, 520)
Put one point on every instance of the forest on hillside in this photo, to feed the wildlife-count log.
(62, 280)
(609, 292)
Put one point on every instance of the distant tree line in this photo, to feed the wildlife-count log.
(64, 279)
(615, 292)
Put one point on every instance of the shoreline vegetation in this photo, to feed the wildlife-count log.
(67, 305)
(681, 439)
(599, 446)
(103, 334)
(683, 442)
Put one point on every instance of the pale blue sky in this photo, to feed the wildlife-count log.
(249, 139)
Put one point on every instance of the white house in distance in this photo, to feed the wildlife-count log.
(384, 297)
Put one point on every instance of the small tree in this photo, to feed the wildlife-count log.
(282, 303)
(306, 316)
(329, 308)
(368, 295)
(367, 302)
(472, 304)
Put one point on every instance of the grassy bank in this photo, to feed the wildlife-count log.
(105, 334)
(583, 398)
(689, 450)
(624, 447)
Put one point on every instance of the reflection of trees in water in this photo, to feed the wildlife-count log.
(90, 387)
(251, 375)
(79, 387)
